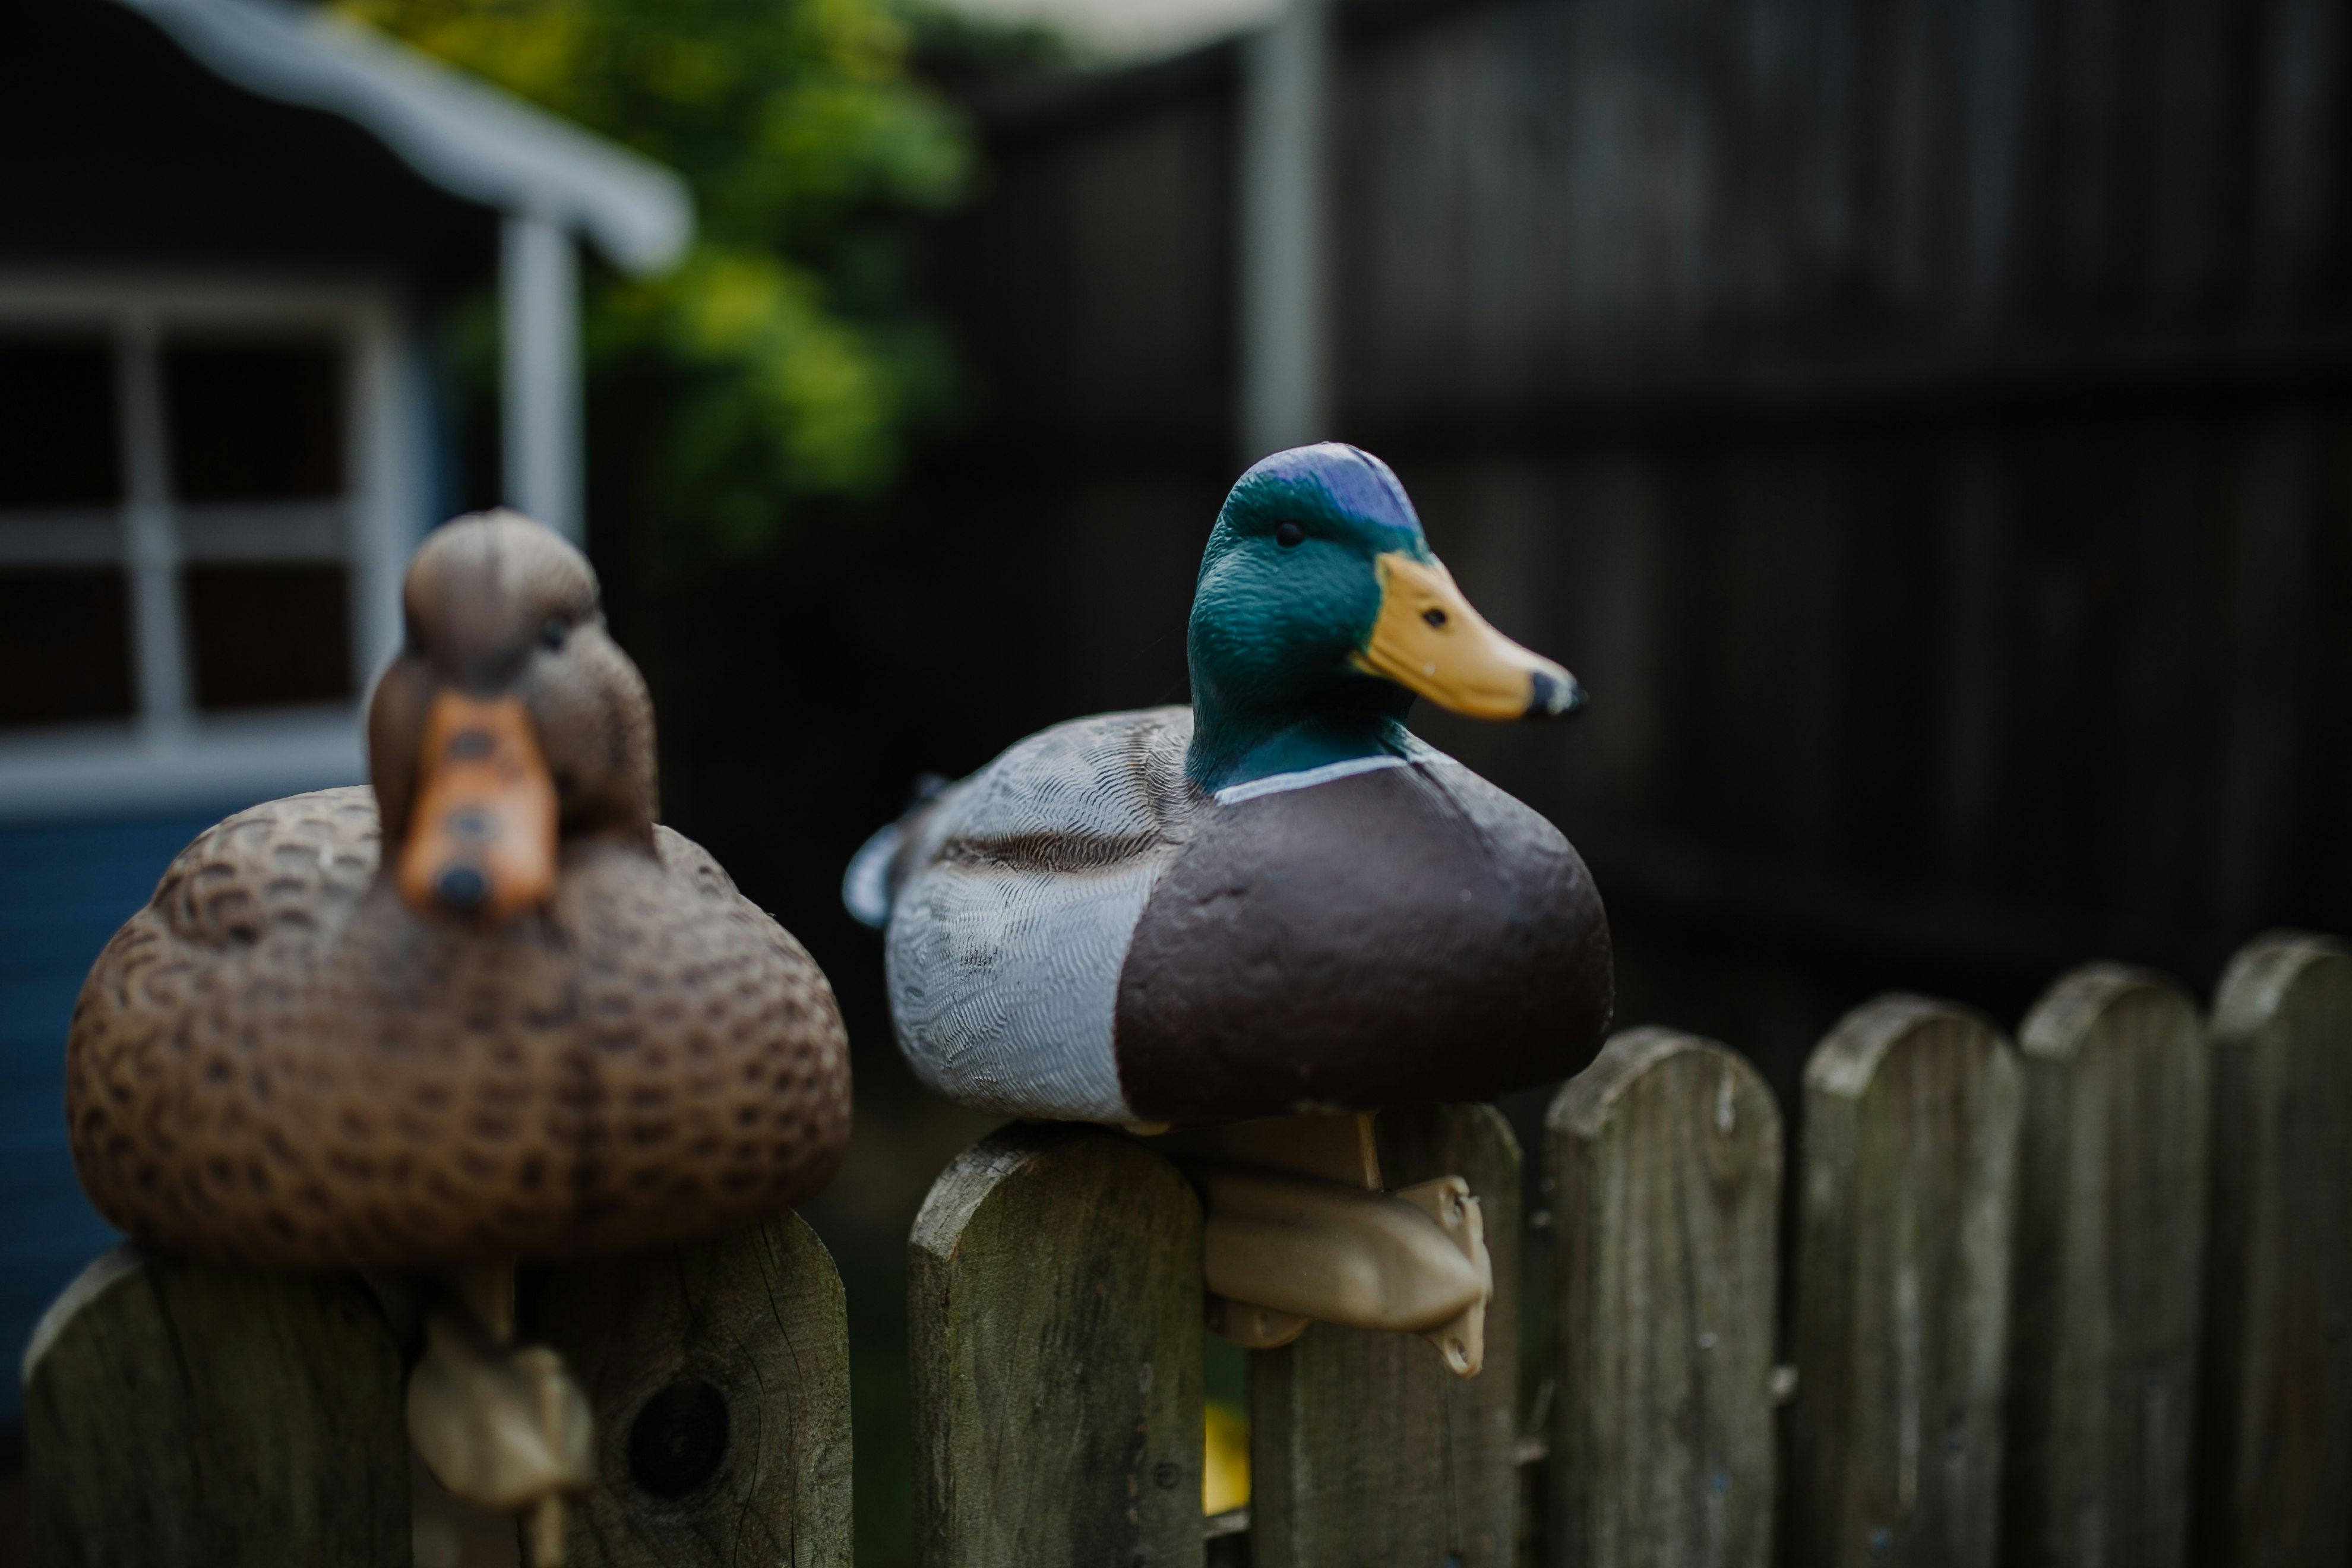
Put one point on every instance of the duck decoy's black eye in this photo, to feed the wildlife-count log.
(552, 632)
(1289, 534)
(1435, 617)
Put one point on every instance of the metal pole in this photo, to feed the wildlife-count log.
(1284, 331)
(539, 286)
(151, 539)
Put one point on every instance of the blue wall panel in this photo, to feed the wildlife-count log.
(63, 891)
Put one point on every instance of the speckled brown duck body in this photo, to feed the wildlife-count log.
(450, 1030)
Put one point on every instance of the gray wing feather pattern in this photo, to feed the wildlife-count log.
(1017, 895)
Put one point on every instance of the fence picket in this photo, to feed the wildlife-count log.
(2274, 1447)
(720, 1376)
(1666, 1157)
(2110, 1254)
(1054, 1329)
(1903, 1279)
(176, 1413)
(1364, 1451)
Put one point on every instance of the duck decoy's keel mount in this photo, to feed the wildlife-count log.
(1461, 1340)
(1253, 1328)
(506, 1429)
(1410, 1262)
(488, 1291)
(1300, 1232)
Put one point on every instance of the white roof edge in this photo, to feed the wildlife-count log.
(464, 135)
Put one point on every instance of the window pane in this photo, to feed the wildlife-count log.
(64, 647)
(57, 424)
(255, 422)
(265, 637)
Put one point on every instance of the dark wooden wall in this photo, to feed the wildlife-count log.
(1922, 426)
(1556, 198)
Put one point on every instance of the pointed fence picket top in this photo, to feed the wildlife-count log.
(718, 1373)
(1055, 1327)
(1365, 1451)
(1665, 1156)
(2108, 1276)
(1903, 1284)
(2274, 1447)
(177, 1413)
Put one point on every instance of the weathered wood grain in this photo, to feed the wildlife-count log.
(176, 1413)
(720, 1376)
(1364, 1451)
(1665, 1155)
(1055, 1330)
(1903, 1283)
(2109, 1275)
(2274, 1442)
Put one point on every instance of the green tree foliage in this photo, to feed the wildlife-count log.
(787, 361)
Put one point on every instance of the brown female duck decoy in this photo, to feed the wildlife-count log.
(486, 1010)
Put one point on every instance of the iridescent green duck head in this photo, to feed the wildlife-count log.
(1321, 613)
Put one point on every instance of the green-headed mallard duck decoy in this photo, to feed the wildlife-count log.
(1278, 901)
(486, 1010)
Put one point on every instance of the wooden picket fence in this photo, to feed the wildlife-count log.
(2078, 1301)
(2085, 1299)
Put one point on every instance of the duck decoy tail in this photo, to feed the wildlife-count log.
(866, 887)
(870, 885)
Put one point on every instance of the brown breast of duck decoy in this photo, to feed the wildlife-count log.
(486, 1009)
(1406, 934)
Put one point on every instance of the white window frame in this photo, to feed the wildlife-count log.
(168, 754)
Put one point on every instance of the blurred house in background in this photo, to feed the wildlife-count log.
(231, 228)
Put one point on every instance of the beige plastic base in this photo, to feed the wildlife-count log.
(506, 1430)
(1318, 1242)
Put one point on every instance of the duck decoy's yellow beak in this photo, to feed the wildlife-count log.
(1429, 640)
(481, 839)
